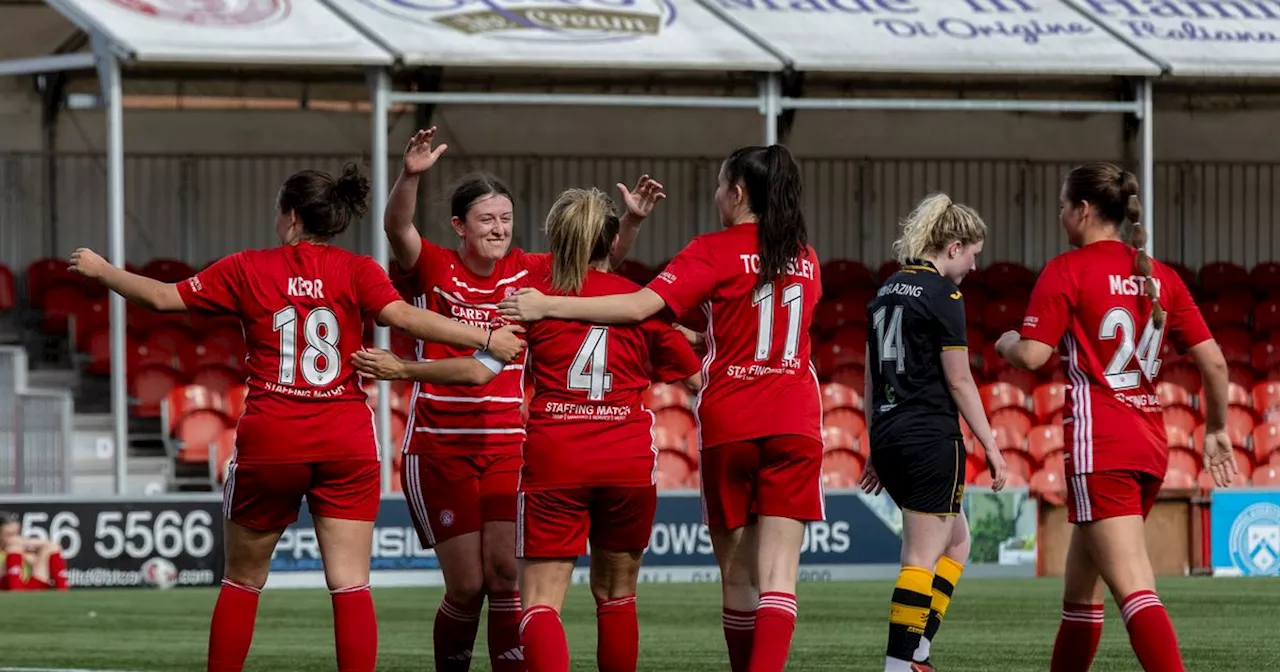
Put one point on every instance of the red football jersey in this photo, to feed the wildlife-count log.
(1091, 304)
(587, 426)
(482, 419)
(303, 309)
(757, 377)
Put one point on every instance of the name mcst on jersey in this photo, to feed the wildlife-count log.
(802, 268)
(312, 289)
(901, 288)
(1133, 285)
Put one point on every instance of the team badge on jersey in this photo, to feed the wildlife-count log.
(446, 518)
(1255, 540)
(210, 13)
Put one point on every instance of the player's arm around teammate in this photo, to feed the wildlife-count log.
(1093, 302)
(918, 379)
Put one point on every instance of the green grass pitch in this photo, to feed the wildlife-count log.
(993, 626)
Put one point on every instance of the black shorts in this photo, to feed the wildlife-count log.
(924, 477)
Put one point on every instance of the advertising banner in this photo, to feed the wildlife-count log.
(130, 543)
(1245, 532)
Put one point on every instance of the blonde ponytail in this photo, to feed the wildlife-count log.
(935, 223)
(574, 227)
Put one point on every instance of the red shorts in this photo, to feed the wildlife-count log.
(1110, 494)
(266, 497)
(772, 476)
(558, 523)
(452, 495)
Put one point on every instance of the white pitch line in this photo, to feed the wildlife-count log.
(50, 669)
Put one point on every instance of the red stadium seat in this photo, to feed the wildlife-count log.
(1012, 480)
(218, 378)
(835, 395)
(167, 270)
(1184, 375)
(1018, 464)
(45, 273)
(679, 421)
(1266, 277)
(1266, 316)
(1002, 275)
(851, 337)
(1227, 313)
(1221, 277)
(1026, 381)
(975, 312)
(973, 465)
(887, 269)
(174, 338)
(831, 314)
(1049, 486)
(830, 357)
(841, 275)
(666, 439)
(1266, 355)
(1055, 462)
(229, 335)
(1178, 479)
(224, 448)
(997, 396)
(1171, 394)
(196, 432)
(1244, 462)
(1184, 418)
(1266, 400)
(1044, 440)
(1177, 437)
(183, 400)
(1241, 375)
(1188, 276)
(143, 355)
(636, 272)
(97, 345)
(90, 316)
(850, 376)
(149, 385)
(847, 419)
(235, 401)
(1016, 420)
(214, 353)
(1241, 418)
(990, 362)
(1001, 316)
(1008, 439)
(1236, 343)
(841, 469)
(1266, 441)
(1206, 481)
(675, 470)
(838, 438)
(1238, 439)
(61, 301)
(1186, 460)
(1048, 399)
(662, 395)
(1267, 477)
(8, 289)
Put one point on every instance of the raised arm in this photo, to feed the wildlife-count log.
(530, 305)
(640, 203)
(419, 157)
(382, 365)
(146, 292)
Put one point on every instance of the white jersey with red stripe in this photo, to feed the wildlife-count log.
(483, 419)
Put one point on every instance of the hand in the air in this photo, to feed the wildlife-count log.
(88, 263)
(419, 156)
(641, 200)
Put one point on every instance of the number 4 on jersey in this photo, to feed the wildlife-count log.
(587, 372)
(1118, 324)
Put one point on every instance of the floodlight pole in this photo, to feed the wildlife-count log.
(1146, 118)
(109, 75)
(771, 106)
(380, 83)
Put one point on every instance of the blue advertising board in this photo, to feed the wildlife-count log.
(860, 538)
(1245, 532)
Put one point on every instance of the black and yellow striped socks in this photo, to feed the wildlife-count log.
(946, 576)
(908, 616)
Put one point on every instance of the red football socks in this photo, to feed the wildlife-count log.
(1151, 632)
(454, 634)
(505, 654)
(617, 635)
(231, 631)
(739, 631)
(1078, 637)
(355, 629)
(775, 623)
(545, 646)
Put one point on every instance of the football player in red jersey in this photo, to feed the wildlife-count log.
(462, 447)
(1107, 306)
(29, 563)
(307, 429)
(589, 459)
(752, 288)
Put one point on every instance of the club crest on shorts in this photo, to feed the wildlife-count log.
(210, 12)
(446, 518)
(1255, 540)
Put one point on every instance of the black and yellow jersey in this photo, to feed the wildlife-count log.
(915, 316)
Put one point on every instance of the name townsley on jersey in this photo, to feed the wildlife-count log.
(802, 268)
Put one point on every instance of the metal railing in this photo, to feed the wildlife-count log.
(36, 428)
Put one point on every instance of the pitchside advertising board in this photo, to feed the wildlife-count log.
(111, 543)
(1245, 532)
(861, 538)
